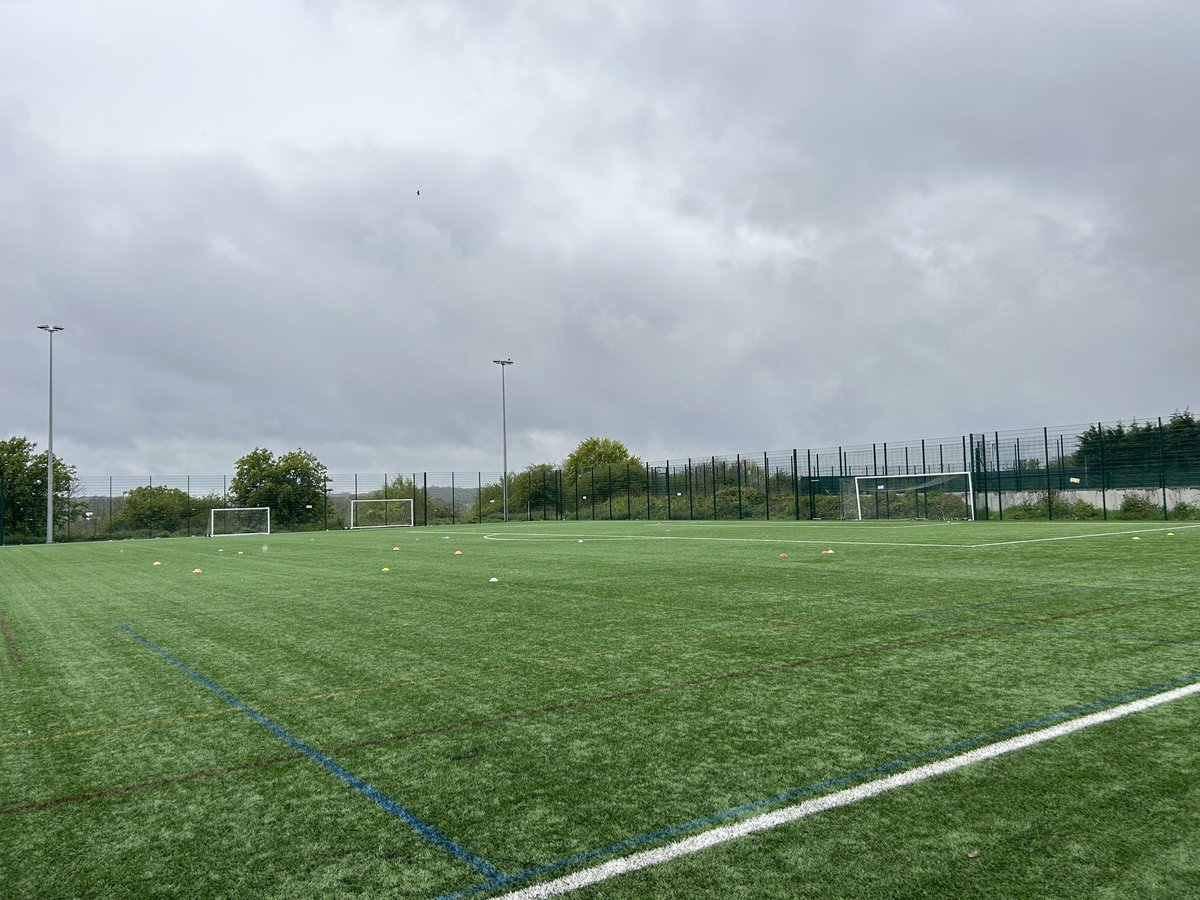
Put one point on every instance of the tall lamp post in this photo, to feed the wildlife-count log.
(50, 329)
(504, 428)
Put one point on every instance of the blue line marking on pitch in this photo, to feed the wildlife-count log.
(820, 787)
(424, 829)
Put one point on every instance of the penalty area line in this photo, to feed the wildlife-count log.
(766, 821)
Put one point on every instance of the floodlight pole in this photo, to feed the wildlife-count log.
(50, 329)
(504, 428)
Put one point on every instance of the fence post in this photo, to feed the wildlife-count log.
(691, 506)
(767, 484)
(795, 484)
(713, 460)
(739, 486)
(1103, 472)
(1162, 468)
(812, 490)
(1049, 496)
(668, 490)
(999, 480)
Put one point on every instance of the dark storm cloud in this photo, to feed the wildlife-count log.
(698, 229)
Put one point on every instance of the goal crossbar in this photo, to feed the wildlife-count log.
(959, 484)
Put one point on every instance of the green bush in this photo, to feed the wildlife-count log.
(1185, 510)
(1139, 506)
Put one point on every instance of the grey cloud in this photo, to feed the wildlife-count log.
(739, 228)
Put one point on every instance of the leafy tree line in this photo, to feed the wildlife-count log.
(1142, 446)
(23, 491)
(600, 478)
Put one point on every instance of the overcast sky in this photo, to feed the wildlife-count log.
(697, 227)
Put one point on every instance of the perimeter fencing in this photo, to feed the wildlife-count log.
(1097, 471)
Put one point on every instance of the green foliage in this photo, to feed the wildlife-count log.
(1185, 510)
(403, 487)
(533, 493)
(1139, 505)
(1035, 508)
(293, 485)
(162, 511)
(1141, 448)
(23, 482)
(597, 453)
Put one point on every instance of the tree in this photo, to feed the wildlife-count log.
(293, 485)
(598, 453)
(1134, 451)
(23, 490)
(163, 510)
(601, 468)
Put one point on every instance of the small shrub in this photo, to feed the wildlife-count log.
(1185, 510)
(1139, 506)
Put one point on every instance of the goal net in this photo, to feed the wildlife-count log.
(940, 495)
(396, 513)
(239, 520)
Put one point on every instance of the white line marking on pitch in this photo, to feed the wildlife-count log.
(1079, 537)
(696, 843)
(557, 536)
(560, 536)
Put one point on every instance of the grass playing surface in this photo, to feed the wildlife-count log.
(294, 721)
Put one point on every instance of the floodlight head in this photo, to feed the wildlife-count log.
(503, 362)
(50, 329)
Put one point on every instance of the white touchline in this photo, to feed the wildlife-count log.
(647, 858)
(548, 536)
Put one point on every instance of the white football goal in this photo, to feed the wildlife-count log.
(239, 520)
(937, 495)
(393, 513)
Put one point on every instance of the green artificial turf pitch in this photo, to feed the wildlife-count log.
(295, 721)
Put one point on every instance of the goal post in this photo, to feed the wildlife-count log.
(239, 520)
(394, 513)
(936, 495)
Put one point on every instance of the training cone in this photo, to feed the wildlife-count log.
(197, 571)
(458, 553)
(783, 556)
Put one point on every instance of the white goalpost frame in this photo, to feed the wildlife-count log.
(404, 503)
(212, 520)
(931, 479)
